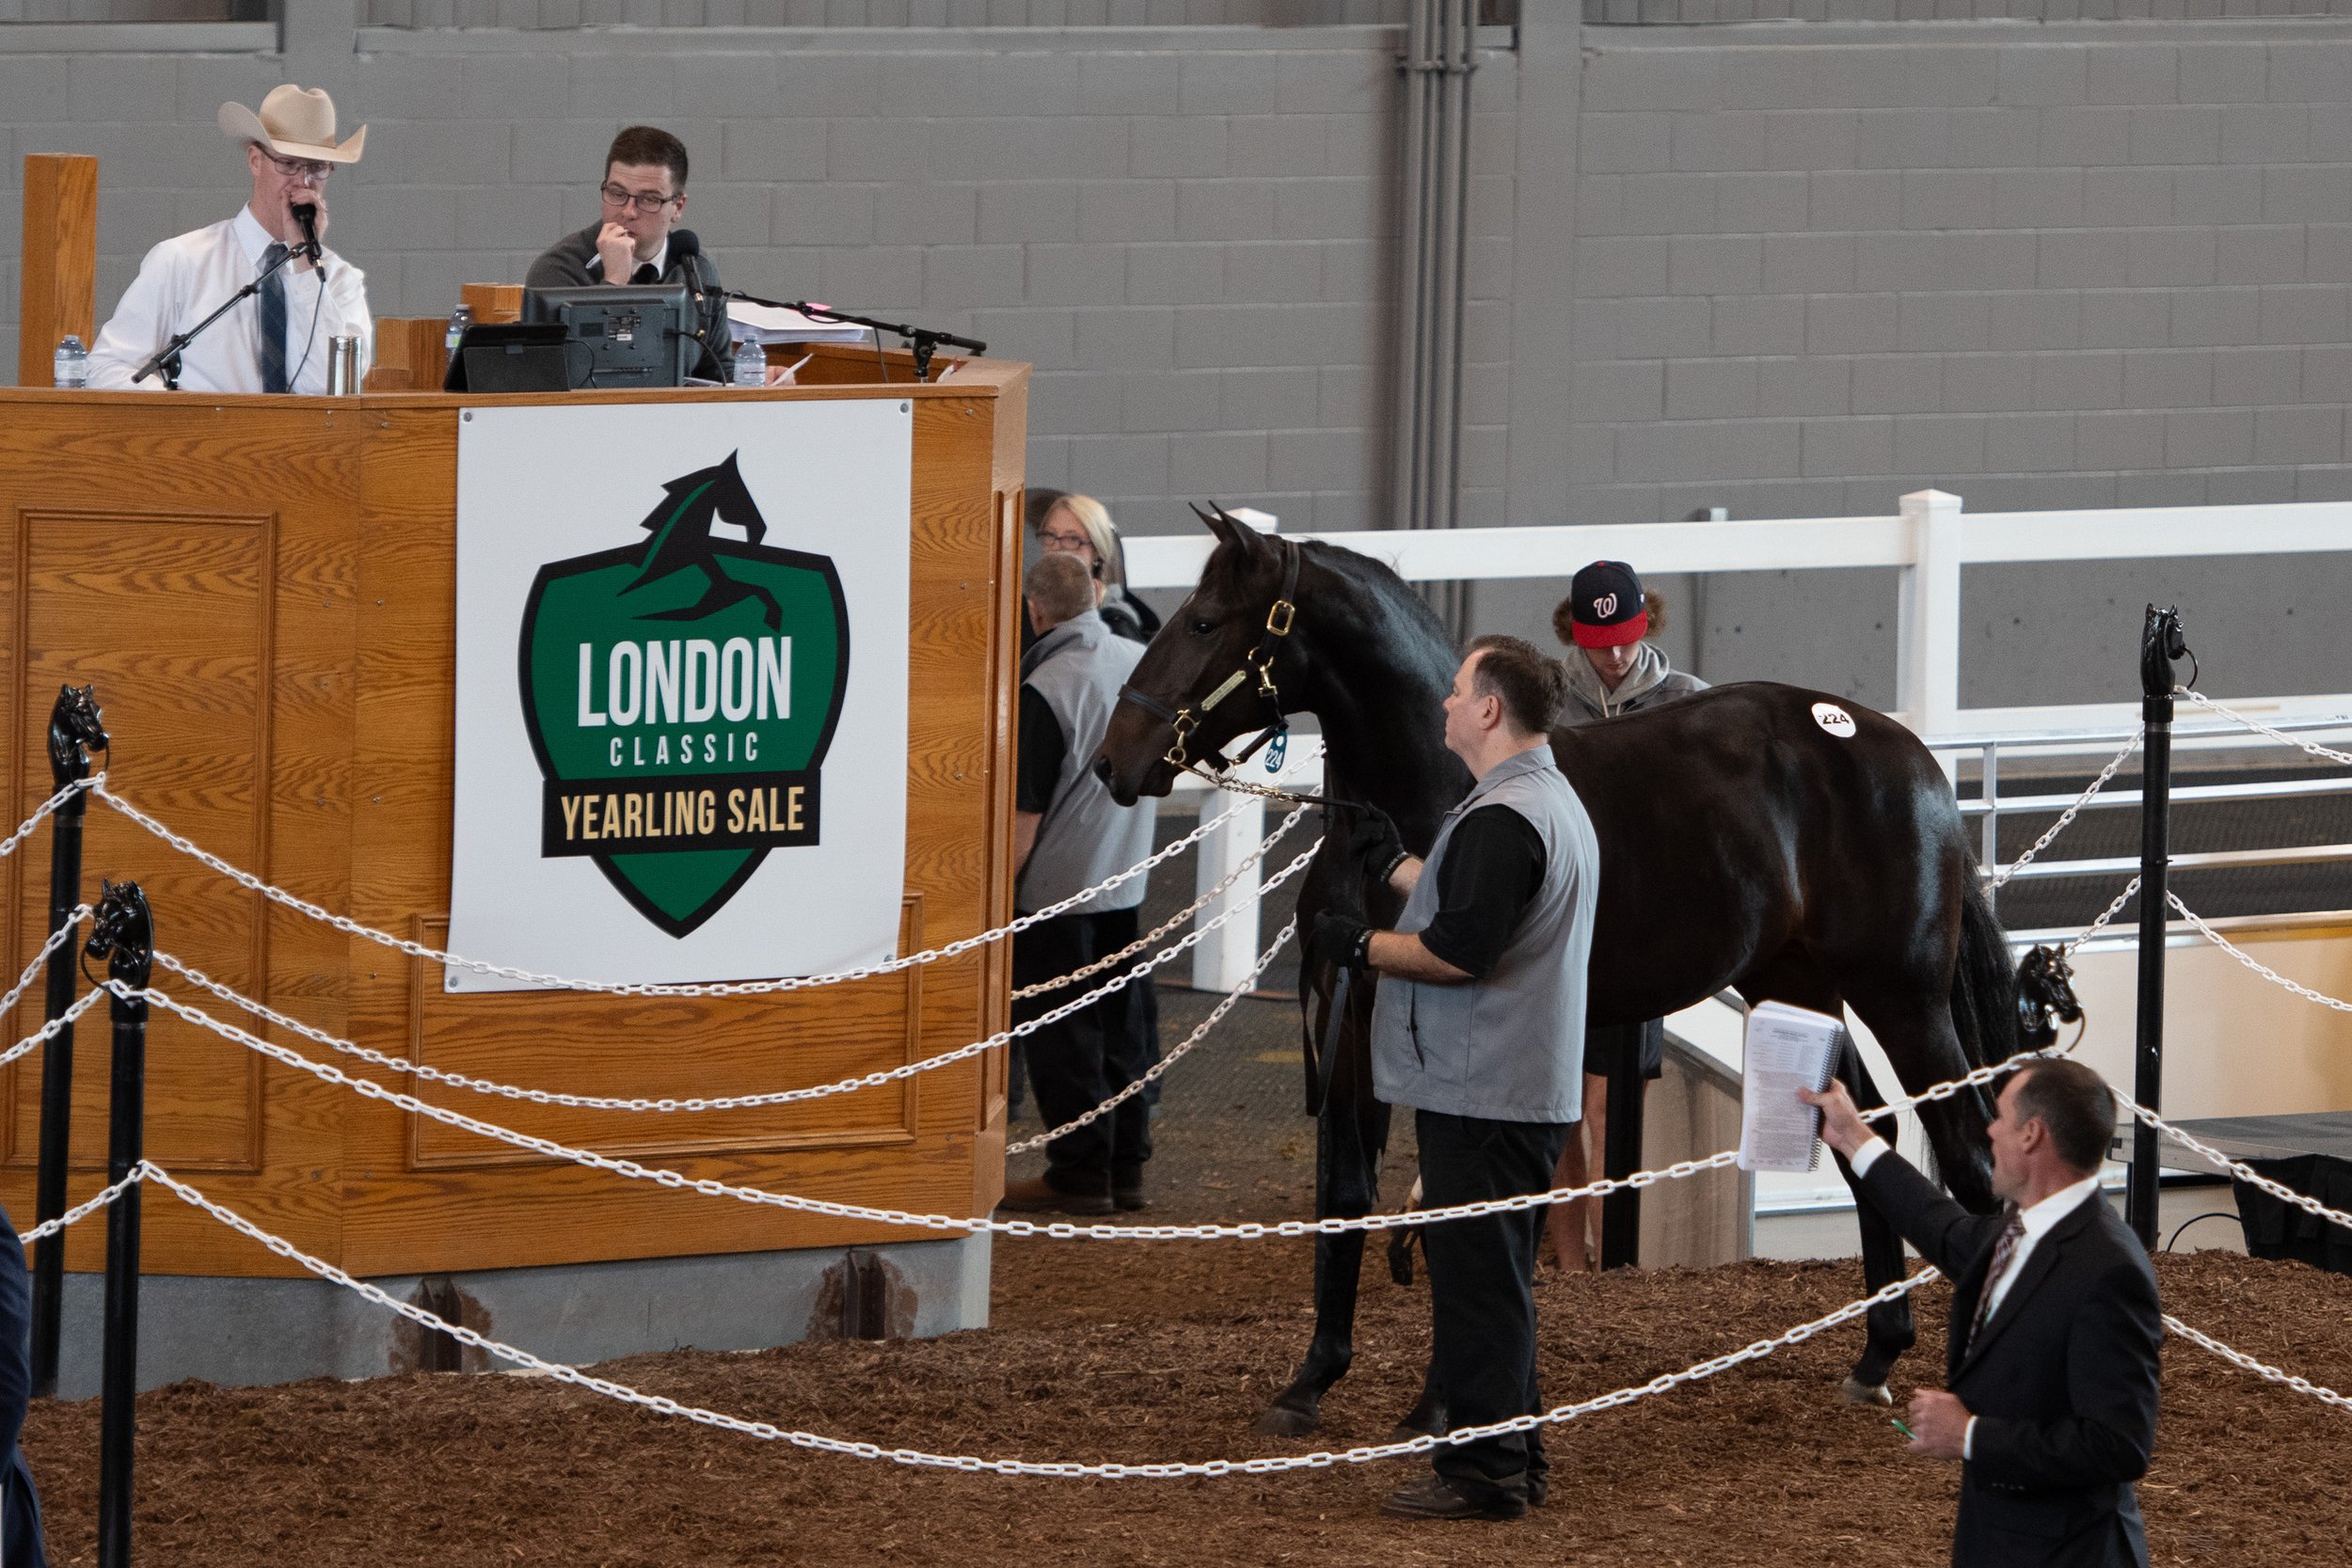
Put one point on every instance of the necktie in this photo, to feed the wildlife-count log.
(2003, 1250)
(644, 274)
(273, 324)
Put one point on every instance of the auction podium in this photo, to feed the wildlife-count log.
(262, 591)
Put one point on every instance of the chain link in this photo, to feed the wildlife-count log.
(1059, 1469)
(2115, 907)
(25, 828)
(1217, 1015)
(57, 939)
(2263, 1370)
(716, 1103)
(81, 1211)
(2243, 1172)
(52, 1029)
(2313, 747)
(1248, 863)
(557, 982)
(2196, 922)
(2001, 876)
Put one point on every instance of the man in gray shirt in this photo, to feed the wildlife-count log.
(1069, 835)
(1479, 1026)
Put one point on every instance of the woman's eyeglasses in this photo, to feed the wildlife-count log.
(1073, 542)
(648, 202)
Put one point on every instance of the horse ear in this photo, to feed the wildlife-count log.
(1231, 529)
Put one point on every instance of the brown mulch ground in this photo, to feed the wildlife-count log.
(1166, 1351)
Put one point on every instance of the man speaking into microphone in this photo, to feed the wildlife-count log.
(276, 341)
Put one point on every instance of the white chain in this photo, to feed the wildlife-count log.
(1248, 863)
(81, 1211)
(558, 982)
(1060, 1470)
(2202, 929)
(2115, 907)
(25, 828)
(2327, 754)
(1216, 1016)
(2001, 876)
(57, 939)
(2263, 1370)
(52, 1029)
(714, 1102)
(1060, 1230)
(2244, 1173)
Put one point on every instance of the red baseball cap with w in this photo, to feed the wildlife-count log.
(1607, 606)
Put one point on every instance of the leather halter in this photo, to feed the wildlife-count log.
(1278, 618)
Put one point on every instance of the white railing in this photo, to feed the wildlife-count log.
(1930, 541)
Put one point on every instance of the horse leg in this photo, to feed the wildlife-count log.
(1351, 1134)
(1889, 1327)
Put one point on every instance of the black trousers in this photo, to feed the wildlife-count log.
(1482, 1290)
(1082, 1060)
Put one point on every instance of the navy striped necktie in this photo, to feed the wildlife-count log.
(274, 323)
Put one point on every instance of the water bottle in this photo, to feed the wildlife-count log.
(72, 363)
(459, 319)
(751, 364)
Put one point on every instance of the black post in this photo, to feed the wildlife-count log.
(1621, 1154)
(2160, 644)
(122, 933)
(74, 729)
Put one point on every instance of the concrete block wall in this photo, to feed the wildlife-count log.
(114, 10)
(544, 14)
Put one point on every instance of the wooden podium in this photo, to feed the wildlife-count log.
(262, 590)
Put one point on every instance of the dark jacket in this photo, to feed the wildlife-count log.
(2062, 1379)
(20, 1508)
(565, 263)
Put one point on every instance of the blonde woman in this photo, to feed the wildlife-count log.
(1081, 526)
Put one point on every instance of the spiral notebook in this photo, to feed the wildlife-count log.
(1786, 1049)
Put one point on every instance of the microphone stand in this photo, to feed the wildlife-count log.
(167, 359)
(924, 341)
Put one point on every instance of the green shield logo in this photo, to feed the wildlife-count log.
(680, 696)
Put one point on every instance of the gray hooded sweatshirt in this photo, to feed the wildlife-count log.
(1652, 681)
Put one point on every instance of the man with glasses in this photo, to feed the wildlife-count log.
(276, 341)
(632, 241)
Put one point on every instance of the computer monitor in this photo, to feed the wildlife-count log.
(633, 336)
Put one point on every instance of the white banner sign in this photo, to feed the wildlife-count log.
(682, 689)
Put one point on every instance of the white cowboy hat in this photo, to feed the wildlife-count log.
(294, 122)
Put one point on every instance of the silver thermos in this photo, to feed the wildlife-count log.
(342, 366)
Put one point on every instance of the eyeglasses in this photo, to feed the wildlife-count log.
(648, 202)
(1073, 544)
(301, 170)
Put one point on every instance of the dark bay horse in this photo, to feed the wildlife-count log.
(1744, 842)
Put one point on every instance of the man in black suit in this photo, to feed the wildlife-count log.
(2052, 1362)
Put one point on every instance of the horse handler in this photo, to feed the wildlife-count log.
(1479, 1026)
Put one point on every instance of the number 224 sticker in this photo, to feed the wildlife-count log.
(1834, 719)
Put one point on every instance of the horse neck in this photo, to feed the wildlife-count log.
(1376, 676)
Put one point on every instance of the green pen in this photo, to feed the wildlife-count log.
(1896, 1422)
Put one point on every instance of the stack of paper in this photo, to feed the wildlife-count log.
(1786, 1049)
(772, 324)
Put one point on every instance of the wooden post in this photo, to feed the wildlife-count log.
(59, 291)
(494, 302)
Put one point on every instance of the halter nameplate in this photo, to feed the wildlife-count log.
(1223, 691)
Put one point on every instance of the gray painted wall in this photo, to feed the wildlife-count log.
(1787, 269)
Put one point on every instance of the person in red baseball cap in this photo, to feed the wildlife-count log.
(1610, 619)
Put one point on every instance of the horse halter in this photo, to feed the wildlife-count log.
(1278, 618)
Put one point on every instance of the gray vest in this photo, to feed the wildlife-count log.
(1509, 1047)
(1086, 836)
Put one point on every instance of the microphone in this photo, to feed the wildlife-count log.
(307, 215)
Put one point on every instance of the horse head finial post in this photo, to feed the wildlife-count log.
(122, 933)
(76, 729)
(2045, 997)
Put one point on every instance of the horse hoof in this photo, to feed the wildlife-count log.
(1859, 1392)
(1281, 1420)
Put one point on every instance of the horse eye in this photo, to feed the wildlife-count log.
(1203, 627)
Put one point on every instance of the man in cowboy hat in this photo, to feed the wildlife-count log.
(275, 342)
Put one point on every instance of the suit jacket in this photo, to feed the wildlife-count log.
(19, 1504)
(564, 265)
(2061, 1378)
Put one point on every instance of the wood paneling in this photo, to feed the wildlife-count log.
(493, 302)
(58, 291)
(264, 591)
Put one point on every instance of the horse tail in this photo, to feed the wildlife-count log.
(1984, 981)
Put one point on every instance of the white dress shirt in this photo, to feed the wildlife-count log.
(2036, 1222)
(190, 275)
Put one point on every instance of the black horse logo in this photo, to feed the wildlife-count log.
(680, 526)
